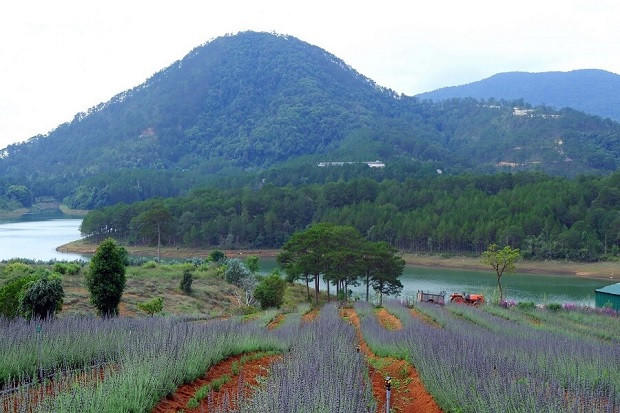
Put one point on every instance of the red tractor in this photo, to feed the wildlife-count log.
(472, 299)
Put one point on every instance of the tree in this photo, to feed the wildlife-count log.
(42, 298)
(154, 221)
(153, 306)
(502, 260)
(342, 263)
(305, 251)
(384, 269)
(106, 278)
(381, 267)
(270, 291)
(186, 281)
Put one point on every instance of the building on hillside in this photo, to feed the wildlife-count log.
(609, 295)
(372, 164)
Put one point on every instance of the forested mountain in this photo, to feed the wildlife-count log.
(248, 102)
(596, 92)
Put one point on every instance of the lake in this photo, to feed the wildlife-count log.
(38, 239)
(539, 288)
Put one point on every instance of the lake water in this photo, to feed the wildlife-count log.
(539, 288)
(38, 240)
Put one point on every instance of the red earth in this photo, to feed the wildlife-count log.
(408, 394)
(249, 374)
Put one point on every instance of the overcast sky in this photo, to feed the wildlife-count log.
(61, 57)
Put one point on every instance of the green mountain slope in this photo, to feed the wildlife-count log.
(255, 100)
(596, 92)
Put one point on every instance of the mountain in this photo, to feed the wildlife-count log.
(596, 92)
(251, 101)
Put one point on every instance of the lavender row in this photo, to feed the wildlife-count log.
(469, 366)
(321, 373)
(151, 358)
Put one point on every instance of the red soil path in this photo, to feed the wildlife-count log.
(408, 394)
(310, 315)
(276, 322)
(388, 320)
(249, 372)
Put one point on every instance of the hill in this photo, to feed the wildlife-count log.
(249, 102)
(596, 92)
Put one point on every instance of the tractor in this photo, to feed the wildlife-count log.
(472, 299)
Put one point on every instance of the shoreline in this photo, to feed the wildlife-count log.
(602, 270)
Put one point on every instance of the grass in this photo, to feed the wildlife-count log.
(211, 295)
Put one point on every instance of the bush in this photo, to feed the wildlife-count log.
(217, 256)
(554, 306)
(149, 265)
(151, 307)
(186, 281)
(270, 291)
(66, 268)
(526, 305)
(10, 293)
(17, 268)
(42, 298)
(235, 272)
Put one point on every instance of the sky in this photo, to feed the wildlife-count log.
(61, 57)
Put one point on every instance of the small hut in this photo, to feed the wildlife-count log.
(608, 295)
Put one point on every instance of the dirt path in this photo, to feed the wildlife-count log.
(310, 315)
(408, 393)
(276, 322)
(248, 376)
(388, 320)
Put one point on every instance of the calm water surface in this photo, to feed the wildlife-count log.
(540, 288)
(38, 240)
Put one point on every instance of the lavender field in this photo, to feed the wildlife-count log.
(470, 359)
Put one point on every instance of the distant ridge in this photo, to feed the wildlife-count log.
(592, 91)
(249, 102)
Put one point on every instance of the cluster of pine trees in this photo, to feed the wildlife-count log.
(546, 217)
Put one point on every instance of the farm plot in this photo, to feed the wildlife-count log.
(481, 363)
(151, 358)
(469, 360)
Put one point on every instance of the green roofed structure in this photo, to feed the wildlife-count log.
(609, 295)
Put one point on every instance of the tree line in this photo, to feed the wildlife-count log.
(343, 258)
(546, 217)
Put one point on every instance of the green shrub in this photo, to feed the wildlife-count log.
(270, 291)
(236, 271)
(66, 268)
(186, 281)
(217, 257)
(42, 298)
(10, 293)
(17, 268)
(554, 306)
(149, 265)
(153, 306)
(526, 305)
